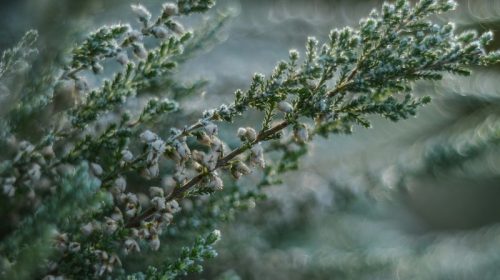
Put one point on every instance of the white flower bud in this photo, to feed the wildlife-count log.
(131, 246)
(135, 35)
(216, 183)
(151, 171)
(159, 146)
(154, 243)
(155, 191)
(119, 185)
(285, 107)
(210, 128)
(251, 134)
(96, 169)
(176, 27)
(170, 9)
(127, 156)
(158, 203)
(204, 139)
(34, 172)
(241, 132)
(9, 190)
(148, 136)
(173, 206)
(160, 32)
(257, 156)
(141, 12)
(122, 58)
(242, 168)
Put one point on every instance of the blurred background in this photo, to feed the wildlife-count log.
(418, 199)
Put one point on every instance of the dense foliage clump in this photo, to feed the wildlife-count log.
(103, 183)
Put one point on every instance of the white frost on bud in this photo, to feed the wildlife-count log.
(127, 156)
(148, 136)
(210, 128)
(251, 134)
(173, 206)
(160, 32)
(285, 107)
(119, 185)
(216, 183)
(241, 132)
(158, 203)
(170, 9)
(257, 156)
(141, 12)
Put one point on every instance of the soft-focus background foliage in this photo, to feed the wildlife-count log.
(417, 199)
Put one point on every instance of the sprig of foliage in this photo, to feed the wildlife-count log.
(355, 74)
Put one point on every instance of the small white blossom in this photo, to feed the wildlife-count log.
(122, 58)
(210, 128)
(241, 132)
(140, 51)
(127, 156)
(148, 136)
(173, 206)
(257, 156)
(74, 247)
(176, 27)
(154, 243)
(110, 225)
(251, 134)
(96, 169)
(170, 9)
(141, 12)
(87, 229)
(216, 183)
(158, 203)
(285, 107)
(119, 185)
(156, 191)
(160, 32)
(131, 246)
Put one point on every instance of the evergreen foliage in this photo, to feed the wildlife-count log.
(104, 183)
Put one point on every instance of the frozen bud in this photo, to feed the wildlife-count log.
(155, 191)
(119, 185)
(170, 9)
(173, 206)
(74, 247)
(110, 225)
(182, 149)
(127, 156)
(216, 183)
(148, 136)
(160, 32)
(97, 68)
(204, 139)
(301, 134)
(87, 229)
(251, 134)
(285, 107)
(176, 27)
(122, 58)
(96, 169)
(34, 172)
(131, 246)
(257, 156)
(242, 132)
(141, 12)
(158, 203)
(210, 128)
(151, 171)
(154, 243)
(135, 35)
(139, 50)
(242, 168)
(159, 146)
